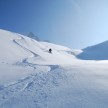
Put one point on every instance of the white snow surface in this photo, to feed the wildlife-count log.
(95, 52)
(31, 77)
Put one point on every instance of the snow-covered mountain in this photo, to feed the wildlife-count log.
(18, 48)
(96, 52)
(31, 77)
(31, 35)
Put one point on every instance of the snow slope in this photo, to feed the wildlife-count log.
(31, 77)
(31, 35)
(19, 55)
(96, 52)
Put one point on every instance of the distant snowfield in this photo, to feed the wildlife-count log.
(31, 77)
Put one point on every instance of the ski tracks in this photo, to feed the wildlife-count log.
(32, 91)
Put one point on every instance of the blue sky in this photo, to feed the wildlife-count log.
(73, 23)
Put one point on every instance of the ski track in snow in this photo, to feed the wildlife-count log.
(36, 87)
(33, 54)
(26, 63)
(40, 84)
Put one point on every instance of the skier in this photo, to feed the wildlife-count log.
(50, 50)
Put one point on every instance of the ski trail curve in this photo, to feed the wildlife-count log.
(25, 60)
(31, 56)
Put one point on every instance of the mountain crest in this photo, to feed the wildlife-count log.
(33, 36)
